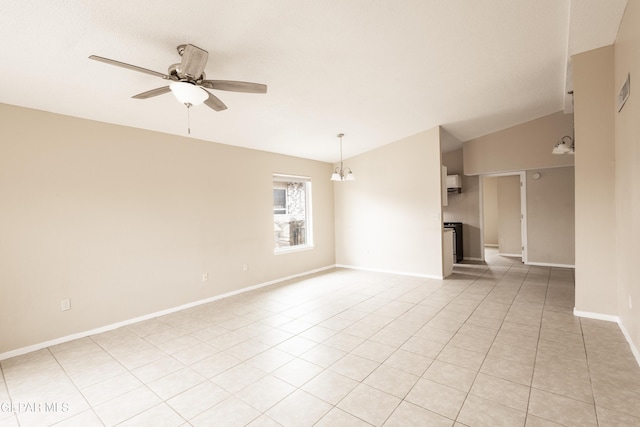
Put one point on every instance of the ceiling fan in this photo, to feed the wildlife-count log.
(188, 81)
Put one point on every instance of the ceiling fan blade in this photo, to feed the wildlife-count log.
(153, 92)
(128, 66)
(214, 103)
(193, 62)
(234, 86)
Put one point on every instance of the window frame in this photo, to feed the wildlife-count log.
(309, 241)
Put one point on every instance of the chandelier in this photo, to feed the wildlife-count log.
(341, 173)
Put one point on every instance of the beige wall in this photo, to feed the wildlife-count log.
(627, 172)
(550, 225)
(464, 207)
(522, 147)
(607, 199)
(490, 210)
(509, 208)
(124, 222)
(595, 218)
(390, 218)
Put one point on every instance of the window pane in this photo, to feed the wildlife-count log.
(279, 201)
(290, 211)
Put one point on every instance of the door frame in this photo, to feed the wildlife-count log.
(523, 209)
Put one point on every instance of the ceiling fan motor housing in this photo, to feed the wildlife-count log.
(177, 73)
(194, 60)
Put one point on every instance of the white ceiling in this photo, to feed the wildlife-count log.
(376, 70)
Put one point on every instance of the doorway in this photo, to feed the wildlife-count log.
(503, 211)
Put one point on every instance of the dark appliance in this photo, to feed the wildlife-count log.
(458, 256)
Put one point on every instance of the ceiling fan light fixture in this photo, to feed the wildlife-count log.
(188, 81)
(188, 94)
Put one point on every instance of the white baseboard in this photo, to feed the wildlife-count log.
(106, 328)
(611, 318)
(634, 349)
(490, 245)
(511, 255)
(596, 316)
(400, 273)
(472, 259)
(550, 264)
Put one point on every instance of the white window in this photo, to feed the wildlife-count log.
(292, 212)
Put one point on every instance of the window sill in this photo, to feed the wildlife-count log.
(289, 250)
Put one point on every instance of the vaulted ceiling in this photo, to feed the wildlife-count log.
(375, 70)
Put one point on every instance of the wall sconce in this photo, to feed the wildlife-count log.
(564, 146)
(567, 145)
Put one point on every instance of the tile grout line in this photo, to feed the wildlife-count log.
(144, 384)
(535, 359)
(586, 355)
(6, 387)
(74, 384)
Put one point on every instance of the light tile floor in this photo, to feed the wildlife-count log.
(493, 345)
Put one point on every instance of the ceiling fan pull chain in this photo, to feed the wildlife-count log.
(188, 119)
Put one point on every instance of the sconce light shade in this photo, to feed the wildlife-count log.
(564, 146)
(188, 94)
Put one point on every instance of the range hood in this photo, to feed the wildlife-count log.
(454, 184)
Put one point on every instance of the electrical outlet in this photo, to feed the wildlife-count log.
(245, 267)
(65, 305)
(205, 277)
